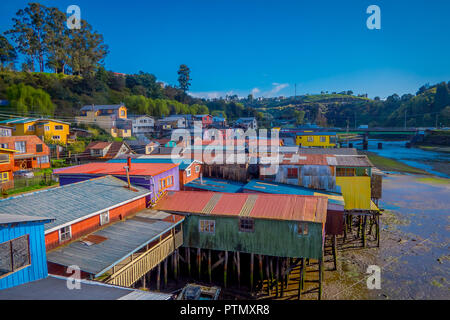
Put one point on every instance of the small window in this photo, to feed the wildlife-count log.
(323, 139)
(39, 148)
(58, 127)
(197, 169)
(4, 145)
(303, 229)
(20, 146)
(207, 226)
(31, 128)
(104, 218)
(65, 234)
(310, 139)
(4, 176)
(47, 128)
(292, 173)
(4, 158)
(188, 172)
(56, 137)
(246, 225)
(14, 255)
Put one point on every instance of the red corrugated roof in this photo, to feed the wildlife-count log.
(137, 169)
(264, 206)
(306, 159)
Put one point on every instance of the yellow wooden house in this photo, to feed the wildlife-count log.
(316, 139)
(48, 129)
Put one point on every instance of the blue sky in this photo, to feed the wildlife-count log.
(265, 47)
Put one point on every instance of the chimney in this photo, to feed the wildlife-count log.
(129, 163)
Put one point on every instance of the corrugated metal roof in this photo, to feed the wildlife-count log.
(123, 239)
(16, 218)
(117, 168)
(330, 151)
(101, 107)
(264, 206)
(182, 162)
(218, 185)
(305, 159)
(280, 188)
(353, 161)
(72, 201)
(316, 133)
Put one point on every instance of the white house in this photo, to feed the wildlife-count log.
(247, 123)
(142, 124)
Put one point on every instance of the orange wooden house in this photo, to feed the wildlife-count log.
(6, 168)
(31, 152)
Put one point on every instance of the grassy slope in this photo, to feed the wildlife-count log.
(387, 164)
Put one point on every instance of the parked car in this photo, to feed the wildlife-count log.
(24, 173)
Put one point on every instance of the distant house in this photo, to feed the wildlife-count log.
(122, 129)
(102, 151)
(31, 152)
(6, 168)
(172, 122)
(247, 123)
(316, 139)
(22, 248)
(219, 121)
(43, 128)
(104, 116)
(205, 119)
(142, 125)
(142, 147)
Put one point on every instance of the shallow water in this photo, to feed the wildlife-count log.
(418, 266)
(413, 157)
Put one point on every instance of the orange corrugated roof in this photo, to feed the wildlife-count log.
(263, 206)
(137, 169)
(305, 159)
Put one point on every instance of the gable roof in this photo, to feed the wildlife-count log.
(114, 148)
(101, 107)
(72, 202)
(6, 219)
(27, 120)
(263, 206)
(353, 161)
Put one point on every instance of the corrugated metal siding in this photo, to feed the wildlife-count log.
(356, 192)
(38, 268)
(275, 238)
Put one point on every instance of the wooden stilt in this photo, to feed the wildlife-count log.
(199, 262)
(300, 280)
(238, 258)
(268, 274)
(272, 274)
(283, 267)
(288, 266)
(165, 272)
(225, 267)
(363, 231)
(158, 278)
(359, 227)
(175, 265)
(209, 266)
(252, 257)
(144, 285)
(303, 272)
(335, 251)
(188, 259)
(345, 228)
(261, 276)
(320, 276)
(378, 230)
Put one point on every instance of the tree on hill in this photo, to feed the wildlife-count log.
(184, 78)
(7, 52)
(27, 100)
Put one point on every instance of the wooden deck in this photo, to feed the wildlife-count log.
(138, 264)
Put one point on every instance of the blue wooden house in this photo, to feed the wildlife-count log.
(22, 249)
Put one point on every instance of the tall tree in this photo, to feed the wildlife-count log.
(184, 78)
(7, 52)
(29, 32)
(26, 99)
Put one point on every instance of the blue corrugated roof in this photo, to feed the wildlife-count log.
(72, 201)
(217, 185)
(19, 120)
(184, 163)
(280, 188)
(101, 107)
(318, 133)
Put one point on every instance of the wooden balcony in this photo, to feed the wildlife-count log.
(139, 264)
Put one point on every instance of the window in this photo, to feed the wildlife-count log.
(166, 183)
(58, 127)
(47, 128)
(31, 128)
(97, 152)
(104, 218)
(197, 169)
(188, 172)
(4, 176)
(4, 158)
(20, 146)
(39, 148)
(292, 173)
(14, 255)
(345, 172)
(56, 137)
(303, 228)
(65, 234)
(310, 139)
(323, 139)
(246, 225)
(207, 226)
(43, 159)
(4, 145)
(122, 113)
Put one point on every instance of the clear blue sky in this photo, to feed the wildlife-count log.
(236, 46)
